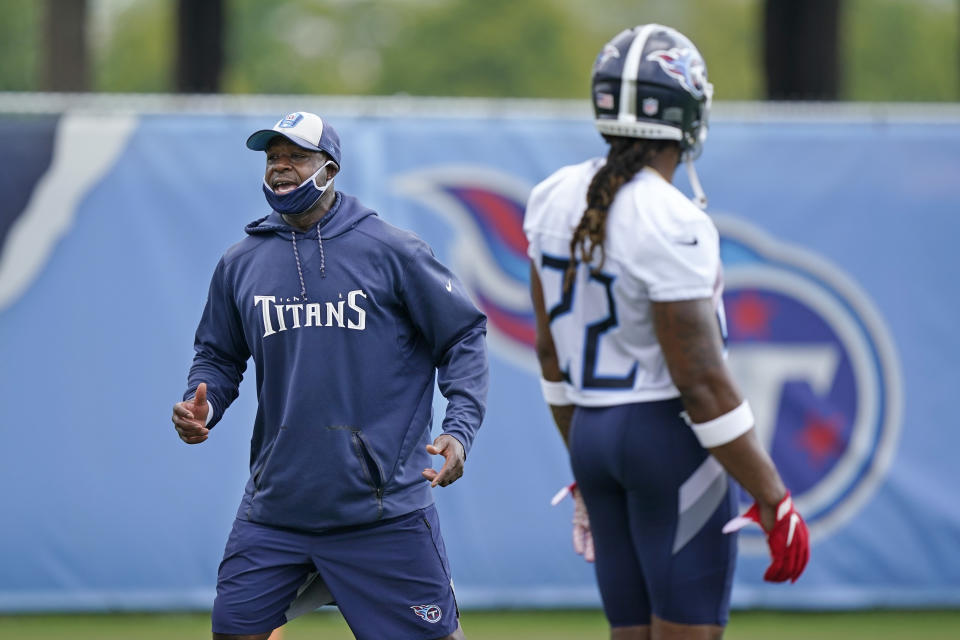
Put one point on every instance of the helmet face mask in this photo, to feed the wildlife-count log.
(651, 82)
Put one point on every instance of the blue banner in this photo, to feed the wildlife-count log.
(837, 240)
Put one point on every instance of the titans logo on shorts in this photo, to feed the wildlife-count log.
(816, 361)
(429, 612)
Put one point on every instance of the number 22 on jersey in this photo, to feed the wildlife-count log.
(596, 296)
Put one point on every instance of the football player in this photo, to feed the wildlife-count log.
(626, 284)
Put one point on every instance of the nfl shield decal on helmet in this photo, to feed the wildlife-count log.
(429, 612)
(815, 360)
(650, 106)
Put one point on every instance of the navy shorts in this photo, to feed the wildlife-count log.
(657, 502)
(390, 579)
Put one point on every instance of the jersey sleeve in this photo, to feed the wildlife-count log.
(532, 217)
(556, 203)
(678, 262)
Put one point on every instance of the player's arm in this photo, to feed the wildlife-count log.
(561, 408)
(689, 336)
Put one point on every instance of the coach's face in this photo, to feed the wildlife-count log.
(289, 165)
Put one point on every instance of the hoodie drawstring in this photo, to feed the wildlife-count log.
(296, 256)
(323, 266)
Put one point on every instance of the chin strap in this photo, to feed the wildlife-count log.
(699, 197)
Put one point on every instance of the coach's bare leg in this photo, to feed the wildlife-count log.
(227, 636)
(663, 630)
(456, 635)
(638, 632)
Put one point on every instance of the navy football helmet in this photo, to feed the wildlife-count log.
(651, 82)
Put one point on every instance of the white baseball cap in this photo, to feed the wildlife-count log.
(304, 129)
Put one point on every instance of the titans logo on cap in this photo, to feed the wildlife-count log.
(814, 358)
(291, 120)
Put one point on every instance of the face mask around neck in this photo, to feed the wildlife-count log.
(301, 199)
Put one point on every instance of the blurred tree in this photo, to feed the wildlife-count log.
(494, 48)
(134, 50)
(199, 46)
(902, 51)
(19, 50)
(441, 47)
(801, 49)
(535, 48)
(289, 47)
(65, 65)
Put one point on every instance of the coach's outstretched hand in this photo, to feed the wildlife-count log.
(452, 450)
(190, 416)
(788, 539)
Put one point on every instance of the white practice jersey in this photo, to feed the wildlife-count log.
(659, 248)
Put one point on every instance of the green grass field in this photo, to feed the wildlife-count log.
(502, 625)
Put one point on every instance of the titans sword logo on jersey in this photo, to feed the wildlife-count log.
(814, 358)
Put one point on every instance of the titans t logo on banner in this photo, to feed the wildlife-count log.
(817, 363)
(805, 343)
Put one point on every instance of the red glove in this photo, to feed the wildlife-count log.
(582, 536)
(789, 540)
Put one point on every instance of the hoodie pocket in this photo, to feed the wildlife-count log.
(318, 477)
(258, 474)
(369, 467)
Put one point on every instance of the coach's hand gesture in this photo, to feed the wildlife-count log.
(451, 449)
(190, 417)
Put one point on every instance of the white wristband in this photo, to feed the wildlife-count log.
(554, 393)
(722, 429)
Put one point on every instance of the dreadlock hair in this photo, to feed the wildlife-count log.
(627, 156)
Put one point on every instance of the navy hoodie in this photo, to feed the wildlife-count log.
(346, 333)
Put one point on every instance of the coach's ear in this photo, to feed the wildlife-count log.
(332, 169)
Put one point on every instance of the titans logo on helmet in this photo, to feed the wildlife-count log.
(814, 358)
(685, 65)
(609, 51)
